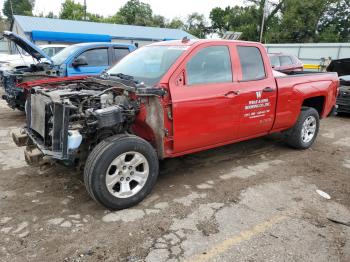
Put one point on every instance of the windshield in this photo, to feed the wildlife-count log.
(148, 64)
(61, 56)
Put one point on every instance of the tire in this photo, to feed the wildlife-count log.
(121, 171)
(300, 138)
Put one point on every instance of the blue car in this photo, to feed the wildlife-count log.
(74, 60)
(89, 58)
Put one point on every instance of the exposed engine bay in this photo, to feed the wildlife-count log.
(15, 97)
(67, 121)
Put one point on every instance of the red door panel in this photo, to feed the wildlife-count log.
(258, 92)
(258, 104)
(205, 104)
(204, 115)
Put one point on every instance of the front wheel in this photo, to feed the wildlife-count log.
(121, 171)
(305, 131)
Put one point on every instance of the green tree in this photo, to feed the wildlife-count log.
(176, 23)
(238, 19)
(17, 7)
(294, 21)
(51, 15)
(71, 10)
(159, 21)
(196, 25)
(220, 18)
(301, 20)
(134, 12)
(245, 19)
(76, 11)
(334, 26)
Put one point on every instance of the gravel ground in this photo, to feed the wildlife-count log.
(251, 201)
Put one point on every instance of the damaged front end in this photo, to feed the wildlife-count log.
(42, 67)
(64, 123)
(15, 95)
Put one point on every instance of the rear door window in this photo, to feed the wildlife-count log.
(252, 63)
(96, 57)
(210, 65)
(286, 60)
(120, 52)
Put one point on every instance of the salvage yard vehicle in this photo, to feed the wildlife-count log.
(285, 63)
(342, 67)
(24, 60)
(166, 100)
(75, 60)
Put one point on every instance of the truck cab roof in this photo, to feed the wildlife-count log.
(196, 42)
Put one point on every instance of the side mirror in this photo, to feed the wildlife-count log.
(80, 61)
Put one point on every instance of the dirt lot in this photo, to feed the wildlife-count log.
(251, 201)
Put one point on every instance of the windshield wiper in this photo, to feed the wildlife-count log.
(124, 77)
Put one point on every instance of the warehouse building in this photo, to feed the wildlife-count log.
(48, 30)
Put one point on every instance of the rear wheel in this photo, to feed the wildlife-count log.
(121, 171)
(305, 131)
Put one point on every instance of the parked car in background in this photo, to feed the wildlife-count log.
(75, 60)
(285, 63)
(165, 100)
(24, 60)
(342, 67)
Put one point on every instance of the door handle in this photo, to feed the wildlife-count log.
(268, 89)
(232, 93)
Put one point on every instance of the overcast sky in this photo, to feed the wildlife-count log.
(167, 8)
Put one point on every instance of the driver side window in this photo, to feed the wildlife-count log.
(96, 57)
(210, 65)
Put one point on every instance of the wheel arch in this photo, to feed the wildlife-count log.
(149, 124)
(316, 102)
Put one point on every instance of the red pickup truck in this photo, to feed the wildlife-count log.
(165, 100)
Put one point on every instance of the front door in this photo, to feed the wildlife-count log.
(204, 100)
(258, 94)
(97, 61)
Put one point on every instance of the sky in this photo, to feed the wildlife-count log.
(167, 8)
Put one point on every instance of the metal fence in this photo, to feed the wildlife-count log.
(312, 53)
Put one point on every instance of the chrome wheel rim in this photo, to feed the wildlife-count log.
(309, 129)
(127, 174)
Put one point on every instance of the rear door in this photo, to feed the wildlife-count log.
(118, 53)
(257, 93)
(204, 101)
(97, 61)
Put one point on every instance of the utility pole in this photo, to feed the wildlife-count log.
(85, 10)
(11, 8)
(262, 23)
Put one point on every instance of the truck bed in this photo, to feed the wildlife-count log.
(294, 89)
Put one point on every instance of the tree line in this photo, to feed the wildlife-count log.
(285, 21)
